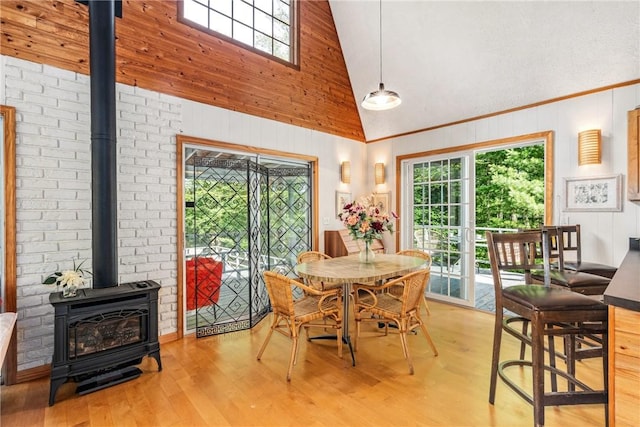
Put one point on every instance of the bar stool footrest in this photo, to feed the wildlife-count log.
(586, 395)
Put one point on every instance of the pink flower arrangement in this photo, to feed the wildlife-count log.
(365, 221)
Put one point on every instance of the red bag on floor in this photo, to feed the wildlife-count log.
(209, 278)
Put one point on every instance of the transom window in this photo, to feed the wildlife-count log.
(265, 25)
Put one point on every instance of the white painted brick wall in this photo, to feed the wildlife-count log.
(53, 191)
(148, 122)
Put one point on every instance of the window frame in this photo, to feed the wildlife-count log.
(294, 35)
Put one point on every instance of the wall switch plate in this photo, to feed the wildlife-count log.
(325, 220)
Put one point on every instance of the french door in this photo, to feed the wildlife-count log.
(440, 212)
(449, 200)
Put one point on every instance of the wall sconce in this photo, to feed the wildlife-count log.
(379, 173)
(589, 147)
(345, 172)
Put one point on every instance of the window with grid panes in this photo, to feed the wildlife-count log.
(265, 25)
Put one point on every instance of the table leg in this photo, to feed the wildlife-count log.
(346, 338)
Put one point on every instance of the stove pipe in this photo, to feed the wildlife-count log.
(103, 143)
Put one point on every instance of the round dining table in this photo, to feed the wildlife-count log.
(347, 270)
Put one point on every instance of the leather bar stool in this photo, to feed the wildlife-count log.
(566, 238)
(576, 281)
(572, 243)
(551, 312)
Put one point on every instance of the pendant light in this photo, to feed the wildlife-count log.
(381, 99)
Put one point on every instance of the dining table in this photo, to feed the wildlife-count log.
(347, 270)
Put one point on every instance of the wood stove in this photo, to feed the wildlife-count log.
(102, 333)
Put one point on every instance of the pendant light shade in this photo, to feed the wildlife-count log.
(381, 99)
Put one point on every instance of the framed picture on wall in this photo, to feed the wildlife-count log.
(382, 201)
(342, 198)
(596, 194)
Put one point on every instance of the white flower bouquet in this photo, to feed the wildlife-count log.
(70, 280)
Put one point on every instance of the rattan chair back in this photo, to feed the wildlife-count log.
(419, 254)
(310, 256)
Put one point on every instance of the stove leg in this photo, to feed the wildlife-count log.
(156, 355)
(55, 384)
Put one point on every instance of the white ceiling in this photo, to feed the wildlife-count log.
(452, 60)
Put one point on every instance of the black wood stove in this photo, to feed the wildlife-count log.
(100, 334)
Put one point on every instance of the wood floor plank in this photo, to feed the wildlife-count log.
(217, 381)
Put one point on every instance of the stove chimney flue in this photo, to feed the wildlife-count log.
(103, 143)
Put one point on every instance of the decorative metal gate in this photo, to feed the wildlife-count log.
(243, 216)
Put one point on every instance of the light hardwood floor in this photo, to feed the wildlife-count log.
(217, 381)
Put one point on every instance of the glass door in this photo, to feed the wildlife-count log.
(451, 200)
(440, 211)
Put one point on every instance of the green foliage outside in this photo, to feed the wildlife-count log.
(510, 188)
(221, 215)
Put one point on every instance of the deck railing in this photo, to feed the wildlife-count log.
(440, 240)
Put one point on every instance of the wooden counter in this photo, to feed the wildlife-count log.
(623, 298)
(624, 289)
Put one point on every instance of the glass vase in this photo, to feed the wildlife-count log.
(367, 255)
(69, 291)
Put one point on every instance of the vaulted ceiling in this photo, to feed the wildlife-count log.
(453, 60)
(449, 60)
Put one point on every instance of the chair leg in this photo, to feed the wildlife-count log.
(523, 345)
(429, 340)
(355, 340)
(426, 306)
(570, 352)
(268, 337)
(295, 336)
(294, 355)
(537, 367)
(339, 339)
(495, 359)
(552, 363)
(402, 329)
(405, 347)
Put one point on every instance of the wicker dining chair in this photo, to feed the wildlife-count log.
(309, 256)
(419, 254)
(404, 311)
(551, 312)
(290, 315)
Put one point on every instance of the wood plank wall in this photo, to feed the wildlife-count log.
(156, 52)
